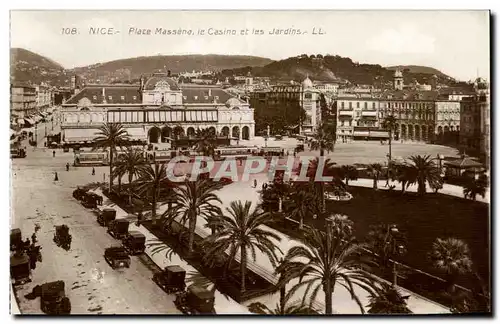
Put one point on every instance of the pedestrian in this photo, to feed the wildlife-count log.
(67, 166)
(54, 153)
(93, 171)
(139, 218)
(55, 177)
(255, 183)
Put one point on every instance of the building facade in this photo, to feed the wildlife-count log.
(357, 118)
(23, 100)
(155, 109)
(44, 97)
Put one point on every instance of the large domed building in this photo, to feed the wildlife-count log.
(152, 110)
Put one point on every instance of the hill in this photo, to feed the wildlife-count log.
(26, 66)
(418, 69)
(334, 68)
(133, 68)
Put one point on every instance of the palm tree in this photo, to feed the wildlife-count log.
(194, 199)
(241, 231)
(304, 201)
(131, 163)
(389, 124)
(284, 307)
(388, 300)
(375, 169)
(111, 135)
(349, 172)
(425, 170)
(324, 260)
(405, 174)
(473, 187)
(153, 182)
(118, 173)
(206, 141)
(452, 257)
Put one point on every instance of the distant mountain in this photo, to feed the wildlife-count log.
(330, 68)
(26, 66)
(418, 69)
(133, 68)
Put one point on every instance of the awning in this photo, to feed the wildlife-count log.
(80, 135)
(137, 133)
(365, 134)
(378, 134)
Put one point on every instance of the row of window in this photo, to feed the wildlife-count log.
(342, 105)
(135, 97)
(358, 123)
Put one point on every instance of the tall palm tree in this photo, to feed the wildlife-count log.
(322, 261)
(452, 257)
(131, 163)
(153, 182)
(473, 187)
(375, 169)
(111, 135)
(241, 231)
(191, 200)
(388, 300)
(206, 141)
(284, 307)
(405, 174)
(324, 139)
(118, 173)
(304, 201)
(425, 171)
(389, 124)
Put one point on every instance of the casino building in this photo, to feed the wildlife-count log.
(154, 110)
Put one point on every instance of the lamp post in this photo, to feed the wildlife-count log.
(394, 242)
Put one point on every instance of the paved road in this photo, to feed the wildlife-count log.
(91, 284)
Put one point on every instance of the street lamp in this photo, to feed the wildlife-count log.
(394, 241)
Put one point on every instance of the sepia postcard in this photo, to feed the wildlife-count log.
(250, 162)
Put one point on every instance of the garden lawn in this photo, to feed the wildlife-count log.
(422, 220)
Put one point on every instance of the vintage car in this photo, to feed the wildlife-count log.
(196, 300)
(16, 239)
(118, 228)
(89, 200)
(79, 193)
(53, 300)
(62, 238)
(117, 257)
(20, 270)
(106, 216)
(134, 242)
(171, 279)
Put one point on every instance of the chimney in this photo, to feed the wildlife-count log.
(103, 95)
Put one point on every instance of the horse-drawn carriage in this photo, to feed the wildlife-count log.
(106, 216)
(79, 193)
(171, 279)
(62, 238)
(117, 257)
(196, 300)
(118, 228)
(134, 242)
(91, 200)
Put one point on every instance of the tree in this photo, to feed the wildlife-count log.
(451, 256)
(131, 163)
(111, 135)
(387, 300)
(285, 307)
(241, 231)
(375, 169)
(152, 182)
(329, 170)
(405, 174)
(424, 170)
(206, 141)
(349, 172)
(194, 199)
(275, 192)
(473, 187)
(390, 124)
(324, 260)
(304, 201)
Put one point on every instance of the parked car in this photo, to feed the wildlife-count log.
(171, 279)
(16, 239)
(20, 270)
(118, 228)
(106, 216)
(53, 300)
(134, 242)
(196, 300)
(62, 238)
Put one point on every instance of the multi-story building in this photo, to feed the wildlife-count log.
(44, 97)
(23, 100)
(357, 118)
(475, 121)
(154, 109)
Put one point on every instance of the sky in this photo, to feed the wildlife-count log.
(455, 42)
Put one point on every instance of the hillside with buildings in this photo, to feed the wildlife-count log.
(418, 69)
(26, 66)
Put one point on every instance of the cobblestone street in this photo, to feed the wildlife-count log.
(91, 284)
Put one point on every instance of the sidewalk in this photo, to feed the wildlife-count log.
(222, 304)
